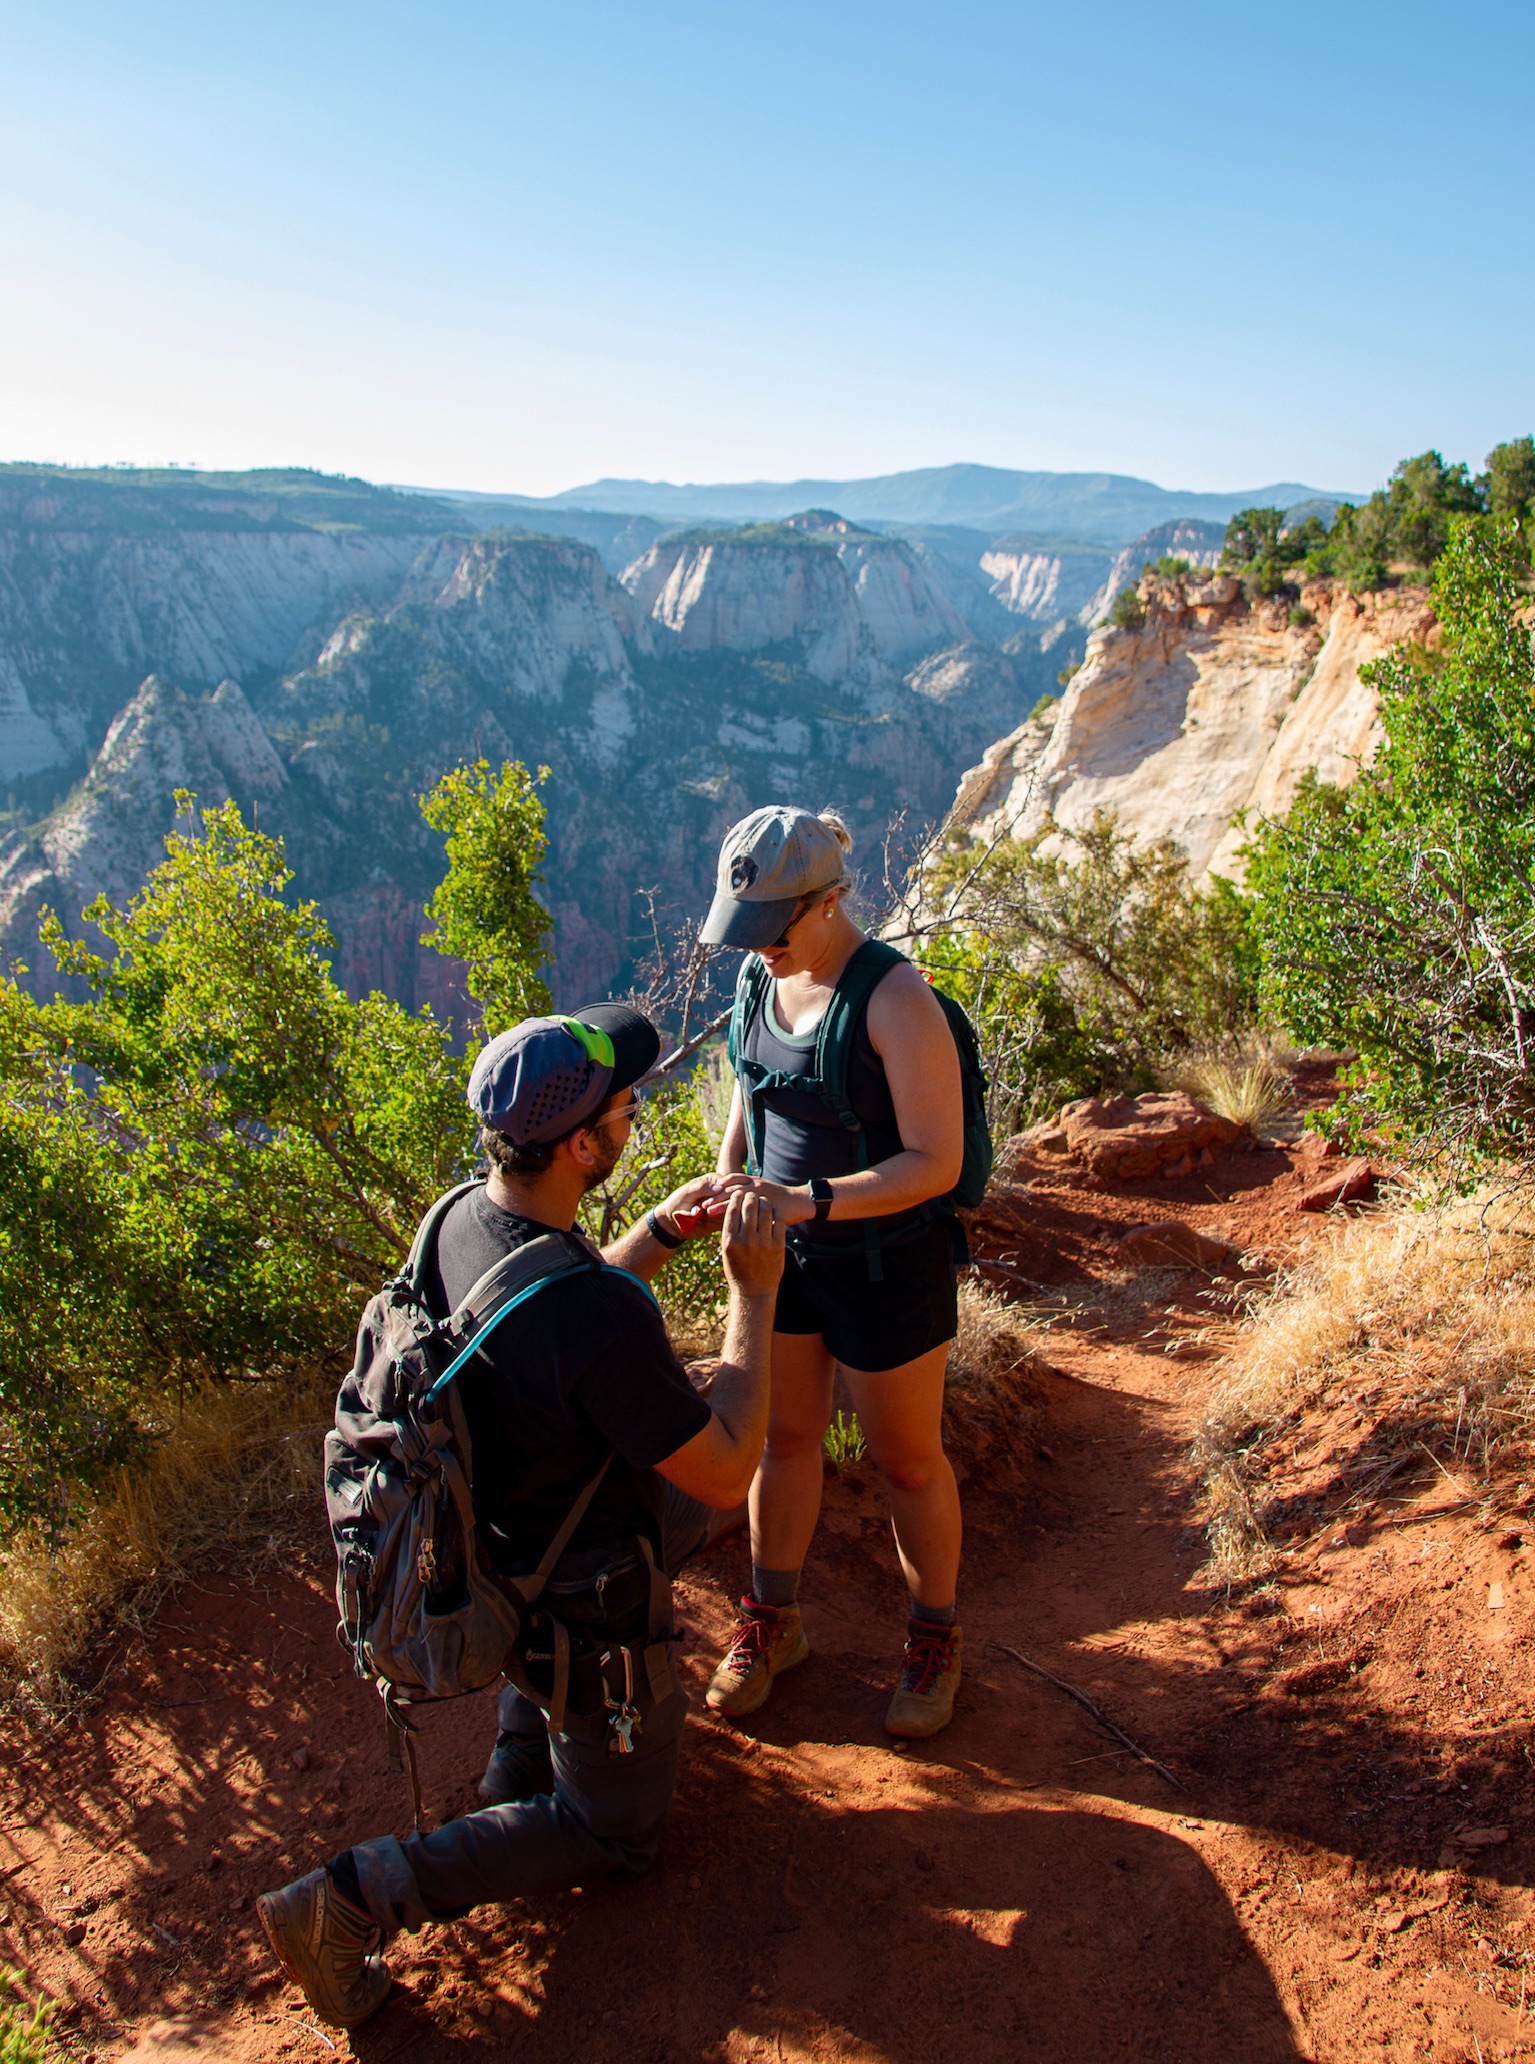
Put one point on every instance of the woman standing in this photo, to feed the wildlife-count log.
(869, 1283)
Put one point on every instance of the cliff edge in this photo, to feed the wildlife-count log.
(1210, 707)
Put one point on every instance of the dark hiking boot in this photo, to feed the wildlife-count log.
(519, 1768)
(325, 1945)
(924, 1699)
(768, 1638)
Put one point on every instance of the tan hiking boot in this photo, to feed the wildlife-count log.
(323, 1942)
(768, 1638)
(924, 1698)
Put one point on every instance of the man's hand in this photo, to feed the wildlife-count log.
(752, 1248)
(699, 1206)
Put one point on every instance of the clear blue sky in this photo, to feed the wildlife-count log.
(513, 246)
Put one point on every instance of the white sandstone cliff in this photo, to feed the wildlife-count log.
(853, 605)
(114, 830)
(1209, 709)
(193, 605)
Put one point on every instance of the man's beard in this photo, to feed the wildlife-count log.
(607, 1161)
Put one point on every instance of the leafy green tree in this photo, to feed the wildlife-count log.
(206, 1165)
(1406, 523)
(1509, 483)
(1261, 548)
(1398, 916)
(486, 911)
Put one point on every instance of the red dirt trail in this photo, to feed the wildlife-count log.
(1019, 1888)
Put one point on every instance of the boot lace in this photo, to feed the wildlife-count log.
(927, 1657)
(751, 1641)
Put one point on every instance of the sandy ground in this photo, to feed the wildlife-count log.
(1340, 1872)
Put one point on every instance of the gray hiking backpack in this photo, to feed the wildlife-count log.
(422, 1612)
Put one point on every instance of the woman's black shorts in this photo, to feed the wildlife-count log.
(868, 1325)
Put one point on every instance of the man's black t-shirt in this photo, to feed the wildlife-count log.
(582, 1368)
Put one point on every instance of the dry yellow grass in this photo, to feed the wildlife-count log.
(1247, 1091)
(993, 1397)
(1435, 1307)
(234, 1476)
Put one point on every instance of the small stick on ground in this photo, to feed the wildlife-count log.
(1089, 1705)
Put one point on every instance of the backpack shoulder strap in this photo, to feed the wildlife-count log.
(751, 985)
(512, 1281)
(424, 1246)
(834, 1041)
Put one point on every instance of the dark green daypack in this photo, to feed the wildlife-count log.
(829, 1077)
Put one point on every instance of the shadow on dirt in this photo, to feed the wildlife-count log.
(1020, 1888)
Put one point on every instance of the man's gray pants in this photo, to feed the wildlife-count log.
(603, 1815)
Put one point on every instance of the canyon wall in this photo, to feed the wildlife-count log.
(829, 674)
(1210, 708)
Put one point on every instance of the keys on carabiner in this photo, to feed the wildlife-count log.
(625, 1724)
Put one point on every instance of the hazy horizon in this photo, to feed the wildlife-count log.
(519, 250)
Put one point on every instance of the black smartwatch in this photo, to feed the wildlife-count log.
(820, 1195)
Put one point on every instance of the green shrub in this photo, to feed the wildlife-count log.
(209, 1164)
(1085, 968)
(1264, 551)
(845, 1443)
(1128, 612)
(1397, 917)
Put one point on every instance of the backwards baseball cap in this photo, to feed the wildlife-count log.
(768, 863)
(547, 1076)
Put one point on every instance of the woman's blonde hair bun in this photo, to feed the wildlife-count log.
(838, 829)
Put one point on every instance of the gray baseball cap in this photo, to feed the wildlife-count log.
(547, 1076)
(768, 863)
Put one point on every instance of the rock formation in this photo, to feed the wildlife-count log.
(657, 735)
(87, 613)
(1210, 708)
(851, 603)
(114, 830)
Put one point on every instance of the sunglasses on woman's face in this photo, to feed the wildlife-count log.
(806, 906)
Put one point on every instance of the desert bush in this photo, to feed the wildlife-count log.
(486, 910)
(1397, 916)
(1128, 611)
(1446, 1293)
(209, 1164)
(1085, 966)
(1508, 485)
(1407, 523)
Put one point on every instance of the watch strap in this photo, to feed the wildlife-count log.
(820, 1195)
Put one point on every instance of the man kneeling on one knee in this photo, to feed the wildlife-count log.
(580, 1373)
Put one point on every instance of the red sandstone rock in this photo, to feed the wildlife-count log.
(1344, 1183)
(1174, 1244)
(1122, 1138)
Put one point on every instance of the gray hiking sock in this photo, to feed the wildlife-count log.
(932, 1615)
(778, 1587)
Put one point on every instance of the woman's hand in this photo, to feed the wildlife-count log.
(790, 1206)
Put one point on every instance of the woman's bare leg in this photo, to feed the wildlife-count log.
(786, 1492)
(901, 1413)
